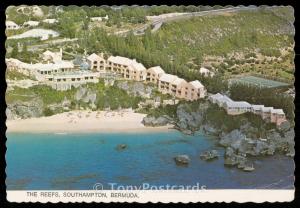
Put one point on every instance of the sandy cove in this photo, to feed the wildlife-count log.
(84, 121)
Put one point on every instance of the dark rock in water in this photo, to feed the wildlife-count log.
(232, 158)
(186, 131)
(182, 159)
(121, 147)
(209, 155)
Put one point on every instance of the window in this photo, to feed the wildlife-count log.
(64, 79)
(86, 78)
(58, 80)
(91, 77)
(73, 79)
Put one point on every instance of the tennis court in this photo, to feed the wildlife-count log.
(261, 82)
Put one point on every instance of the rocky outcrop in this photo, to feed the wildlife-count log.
(182, 159)
(190, 119)
(86, 96)
(209, 155)
(239, 160)
(135, 88)
(152, 121)
(28, 109)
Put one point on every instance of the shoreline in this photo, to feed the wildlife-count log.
(84, 121)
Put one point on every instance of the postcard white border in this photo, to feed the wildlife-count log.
(228, 195)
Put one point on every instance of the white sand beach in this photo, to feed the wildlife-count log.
(84, 121)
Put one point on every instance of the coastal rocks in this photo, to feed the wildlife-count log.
(239, 142)
(9, 114)
(152, 121)
(80, 93)
(234, 138)
(121, 147)
(28, 109)
(190, 119)
(182, 160)
(135, 88)
(86, 96)
(209, 155)
(209, 130)
(237, 159)
(284, 126)
(283, 143)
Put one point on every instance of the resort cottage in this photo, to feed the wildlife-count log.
(68, 80)
(165, 84)
(194, 90)
(236, 108)
(269, 114)
(31, 24)
(50, 56)
(10, 25)
(154, 73)
(63, 75)
(50, 21)
(128, 68)
(96, 63)
(206, 72)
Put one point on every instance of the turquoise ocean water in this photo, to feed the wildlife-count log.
(78, 161)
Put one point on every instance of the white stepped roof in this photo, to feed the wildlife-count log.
(178, 81)
(157, 70)
(11, 23)
(32, 23)
(50, 21)
(196, 84)
(277, 111)
(120, 60)
(267, 109)
(94, 57)
(239, 104)
(204, 70)
(168, 78)
(257, 107)
(137, 66)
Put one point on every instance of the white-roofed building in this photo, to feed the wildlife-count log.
(50, 21)
(165, 82)
(96, 62)
(67, 80)
(128, 68)
(193, 90)
(154, 73)
(136, 71)
(206, 72)
(99, 19)
(219, 99)
(236, 108)
(52, 56)
(31, 24)
(277, 116)
(257, 109)
(269, 114)
(10, 25)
